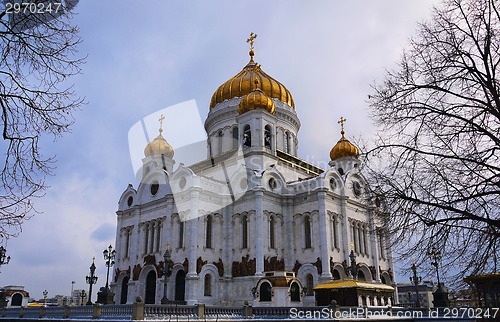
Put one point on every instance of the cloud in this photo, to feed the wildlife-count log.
(104, 232)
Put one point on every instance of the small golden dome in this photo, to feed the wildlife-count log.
(159, 146)
(242, 84)
(256, 100)
(343, 148)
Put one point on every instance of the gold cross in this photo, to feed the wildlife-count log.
(341, 122)
(352, 246)
(161, 122)
(251, 39)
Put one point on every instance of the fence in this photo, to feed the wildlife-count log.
(141, 311)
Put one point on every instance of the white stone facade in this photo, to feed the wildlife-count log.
(250, 208)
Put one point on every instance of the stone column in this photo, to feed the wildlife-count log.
(345, 232)
(192, 224)
(289, 245)
(259, 232)
(325, 241)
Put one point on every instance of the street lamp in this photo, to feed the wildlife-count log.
(441, 294)
(82, 297)
(3, 258)
(436, 256)
(109, 257)
(45, 293)
(71, 294)
(91, 280)
(167, 271)
(415, 279)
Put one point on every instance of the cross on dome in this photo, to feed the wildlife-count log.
(251, 40)
(161, 122)
(341, 122)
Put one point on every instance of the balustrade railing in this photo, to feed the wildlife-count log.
(152, 311)
(215, 312)
(141, 311)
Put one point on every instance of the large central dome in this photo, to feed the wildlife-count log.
(243, 83)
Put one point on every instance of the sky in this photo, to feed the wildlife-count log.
(146, 56)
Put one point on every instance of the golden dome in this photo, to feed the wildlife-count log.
(256, 100)
(343, 148)
(159, 146)
(242, 84)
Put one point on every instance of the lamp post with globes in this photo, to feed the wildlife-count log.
(441, 294)
(109, 257)
(45, 293)
(416, 280)
(82, 297)
(105, 296)
(91, 280)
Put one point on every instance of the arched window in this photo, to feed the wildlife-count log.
(150, 288)
(244, 232)
(307, 232)
(152, 239)
(361, 276)
(265, 292)
(16, 300)
(181, 234)
(235, 137)
(335, 233)
(294, 292)
(124, 290)
(208, 233)
(267, 137)
(128, 232)
(271, 233)
(309, 285)
(381, 247)
(207, 289)
(247, 136)
(158, 235)
(219, 142)
(146, 238)
(365, 241)
(287, 142)
(336, 274)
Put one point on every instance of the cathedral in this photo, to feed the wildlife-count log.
(252, 222)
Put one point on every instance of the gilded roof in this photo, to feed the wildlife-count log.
(349, 283)
(243, 83)
(256, 100)
(159, 146)
(343, 149)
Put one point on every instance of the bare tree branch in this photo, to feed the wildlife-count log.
(37, 58)
(436, 162)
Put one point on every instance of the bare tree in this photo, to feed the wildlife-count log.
(436, 161)
(37, 55)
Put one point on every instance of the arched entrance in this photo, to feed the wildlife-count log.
(124, 291)
(180, 285)
(150, 288)
(294, 293)
(17, 300)
(265, 292)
